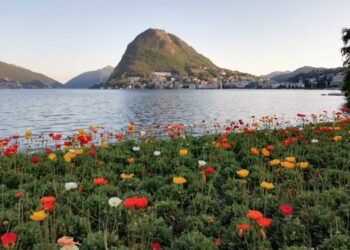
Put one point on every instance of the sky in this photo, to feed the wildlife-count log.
(63, 38)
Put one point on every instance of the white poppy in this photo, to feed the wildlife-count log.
(136, 148)
(114, 201)
(156, 153)
(202, 163)
(70, 185)
(314, 141)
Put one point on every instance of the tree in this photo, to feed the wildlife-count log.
(346, 54)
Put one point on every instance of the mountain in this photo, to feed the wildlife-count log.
(155, 50)
(276, 73)
(12, 76)
(89, 79)
(284, 77)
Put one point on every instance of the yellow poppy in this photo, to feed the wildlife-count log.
(69, 156)
(337, 138)
(79, 151)
(303, 165)
(274, 162)
(28, 134)
(104, 145)
(127, 176)
(266, 185)
(179, 180)
(183, 152)
(38, 215)
(287, 165)
(52, 156)
(81, 131)
(243, 173)
(290, 159)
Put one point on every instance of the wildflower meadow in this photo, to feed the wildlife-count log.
(237, 185)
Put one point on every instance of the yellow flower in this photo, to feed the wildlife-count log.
(104, 139)
(52, 156)
(38, 215)
(66, 148)
(104, 145)
(183, 152)
(81, 131)
(337, 128)
(79, 151)
(179, 180)
(337, 138)
(290, 159)
(215, 144)
(303, 165)
(266, 185)
(274, 162)
(69, 156)
(243, 173)
(287, 165)
(28, 134)
(127, 176)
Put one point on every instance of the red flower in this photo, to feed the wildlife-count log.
(155, 246)
(19, 195)
(48, 151)
(301, 115)
(15, 137)
(209, 170)
(254, 215)
(241, 228)
(100, 181)
(8, 239)
(10, 151)
(264, 222)
(48, 203)
(286, 209)
(48, 199)
(139, 202)
(270, 147)
(35, 160)
(92, 152)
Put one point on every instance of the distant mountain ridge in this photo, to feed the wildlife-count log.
(12, 76)
(90, 78)
(285, 76)
(155, 50)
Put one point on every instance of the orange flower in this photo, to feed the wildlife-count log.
(241, 228)
(265, 152)
(100, 181)
(131, 160)
(254, 151)
(254, 215)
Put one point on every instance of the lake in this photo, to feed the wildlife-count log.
(60, 110)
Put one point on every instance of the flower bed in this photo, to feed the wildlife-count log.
(267, 189)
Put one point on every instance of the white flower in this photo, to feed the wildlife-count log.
(73, 247)
(70, 185)
(114, 201)
(142, 132)
(202, 163)
(72, 151)
(314, 141)
(156, 153)
(301, 128)
(136, 148)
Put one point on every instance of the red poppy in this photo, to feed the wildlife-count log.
(286, 209)
(35, 160)
(8, 239)
(119, 136)
(15, 137)
(92, 152)
(254, 215)
(155, 246)
(270, 147)
(264, 222)
(209, 170)
(48, 206)
(139, 202)
(100, 181)
(301, 115)
(241, 228)
(58, 145)
(19, 195)
(48, 199)
(10, 151)
(48, 151)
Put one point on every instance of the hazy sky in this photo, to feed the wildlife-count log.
(63, 38)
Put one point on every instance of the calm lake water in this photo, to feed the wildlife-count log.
(67, 110)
